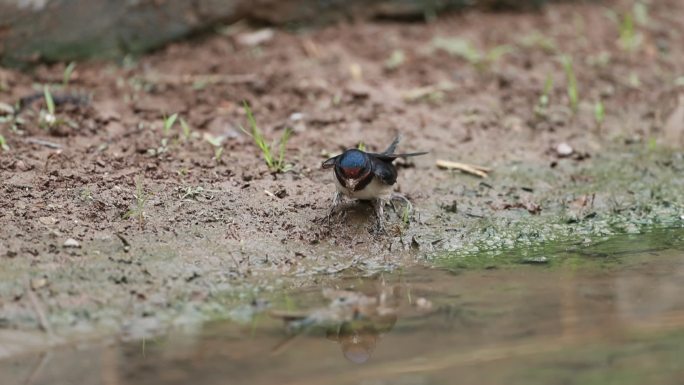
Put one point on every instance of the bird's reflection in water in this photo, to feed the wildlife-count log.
(355, 320)
(357, 339)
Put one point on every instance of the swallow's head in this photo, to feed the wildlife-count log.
(351, 167)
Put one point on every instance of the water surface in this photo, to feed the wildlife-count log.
(609, 313)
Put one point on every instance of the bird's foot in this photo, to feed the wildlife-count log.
(379, 205)
(408, 208)
(337, 199)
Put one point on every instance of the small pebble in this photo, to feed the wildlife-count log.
(38, 283)
(564, 149)
(47, 221)
(535, 260)
(253, 39)
(296, 116)
(423, 303)
(21, 166)
(71, 243)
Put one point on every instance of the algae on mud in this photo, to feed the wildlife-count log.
(616, 193)
(590, 252)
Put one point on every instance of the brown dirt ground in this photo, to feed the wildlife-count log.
(247, 223)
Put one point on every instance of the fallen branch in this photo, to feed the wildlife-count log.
(480, 171)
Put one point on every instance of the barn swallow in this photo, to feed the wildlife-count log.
(367, 176)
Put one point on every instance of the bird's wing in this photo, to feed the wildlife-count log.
(390, 157)
(330, 162)
(393, 146)
(384, 170)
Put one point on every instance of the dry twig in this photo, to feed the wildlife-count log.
(480, 171)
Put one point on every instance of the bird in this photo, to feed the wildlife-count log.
(367, 176)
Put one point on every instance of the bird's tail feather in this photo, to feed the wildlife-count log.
(409, 154)
(389, 152)
(393, 145)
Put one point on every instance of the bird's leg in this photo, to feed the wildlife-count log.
(379, 205)
(337, 198)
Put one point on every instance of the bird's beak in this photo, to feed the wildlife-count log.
(351, 183)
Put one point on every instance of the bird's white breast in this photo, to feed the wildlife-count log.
(374, 190)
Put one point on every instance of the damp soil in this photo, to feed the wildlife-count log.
(568, 323)
(109, 221)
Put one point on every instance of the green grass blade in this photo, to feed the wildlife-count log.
(68, 71)
(3, 143)
(185, 127)
(169, 122)
(599, 112)
(259, 140)
(573, 93)
(49, 101)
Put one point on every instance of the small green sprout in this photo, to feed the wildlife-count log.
(49, 101)
(218, 153)
(190, 193)
(185, 129)
(461, 48)
(214, 140)
(599, 113)
(573, 93)
(539, 40)
(406, 211)
(361, 146)
(544, 98)
(138, 210)
(630, 39)
(48, 119)
(275, 164)
(601, 59)
(406, 215)
(168, 123)
(217, 143)
(68, 71)
(3, 144)
(396, 59)
(13, 121)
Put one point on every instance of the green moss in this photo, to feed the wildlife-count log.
(598, 252)
(633, 192)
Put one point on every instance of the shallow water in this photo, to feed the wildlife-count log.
(613, 313)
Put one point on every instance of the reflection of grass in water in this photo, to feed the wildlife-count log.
(594, 254)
